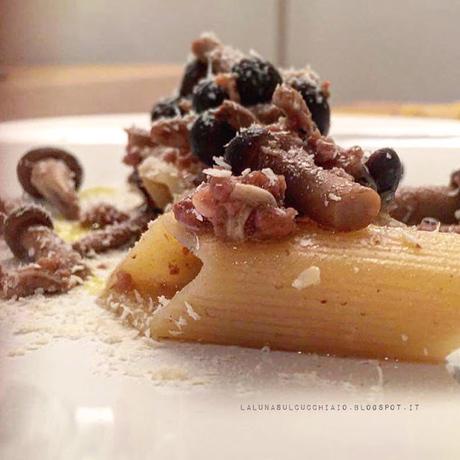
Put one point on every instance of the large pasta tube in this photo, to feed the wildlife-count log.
(379, 292)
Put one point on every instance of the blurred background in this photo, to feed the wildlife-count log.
(61, 57)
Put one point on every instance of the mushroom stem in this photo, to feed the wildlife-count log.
(55, 182)
(412, 204)
(328, 197)
(41, 242)
(55, 266)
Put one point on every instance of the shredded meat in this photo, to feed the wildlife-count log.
(306, 74)
(101, 215)
(326, 152)
(298, 117)
(210, 50)
(329, 155)
(235, 114)
(172, 132)
(139, 145)
(227, 82)
(115, 235)
(266, 113)
(183, 160)
(56, 267)
(237, 208)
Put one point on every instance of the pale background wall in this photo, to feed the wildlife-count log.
(370, 49)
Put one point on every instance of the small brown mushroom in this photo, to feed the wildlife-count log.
(6, 206)
(55, 266)
(329, 196)
(412, 204)
(52, 174)
(21, 221)
(455, 179)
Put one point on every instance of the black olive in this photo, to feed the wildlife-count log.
(209, 135)
(165, 108)
(316, 102)
(194, 72)
(207, 95)
(239, 151)
(385, 168)
(256, 80)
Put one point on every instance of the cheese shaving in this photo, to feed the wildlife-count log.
(253, 195)
(191, 312)
(217, 172)
(309, 277)
(219, 161)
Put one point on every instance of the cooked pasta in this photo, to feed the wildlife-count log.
(379, 292)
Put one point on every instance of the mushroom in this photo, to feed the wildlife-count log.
(319, 174)
(24, 228)
(413, 204)
(330, 197)
(6, 206)
(3, 213)
(55, 267)
(52, 174)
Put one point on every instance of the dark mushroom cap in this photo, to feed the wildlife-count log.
(455, 179)
(27, 162)
(18, 221)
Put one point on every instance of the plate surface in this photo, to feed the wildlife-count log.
(108, 395)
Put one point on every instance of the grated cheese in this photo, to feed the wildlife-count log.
(253, 195)
(219, 161)
(217, 172)
(191, 312)
(309, 277)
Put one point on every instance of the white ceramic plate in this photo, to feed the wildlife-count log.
(101, 398)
